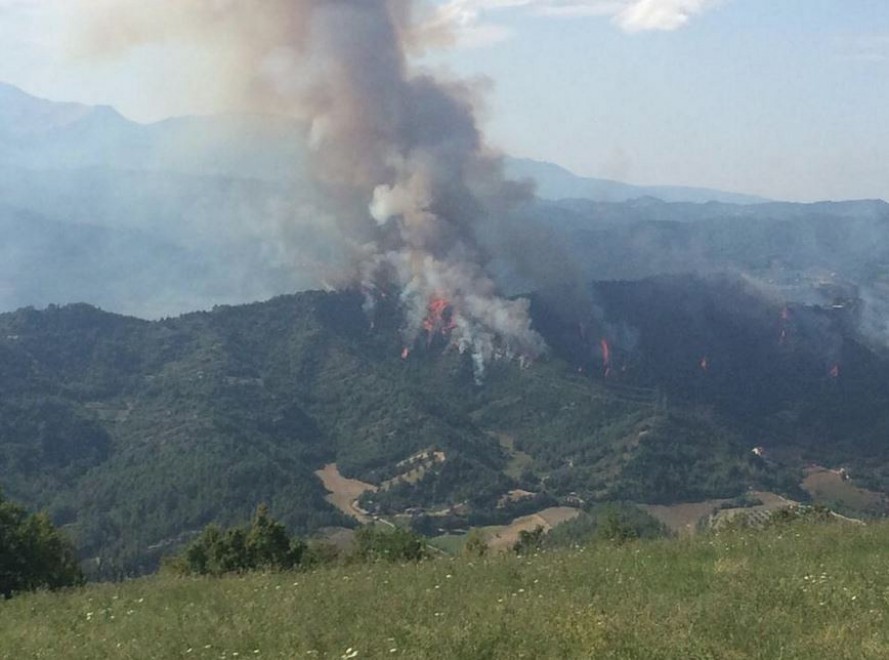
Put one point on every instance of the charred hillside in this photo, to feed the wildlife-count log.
(134, 434)
(794, 375)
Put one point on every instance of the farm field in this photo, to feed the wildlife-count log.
(795, 591)
(501, 538)
(832, 488)
(682, 518)
(344, 492)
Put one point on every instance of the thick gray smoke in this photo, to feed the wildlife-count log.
(406, 175)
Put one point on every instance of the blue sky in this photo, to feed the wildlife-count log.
(783, 98)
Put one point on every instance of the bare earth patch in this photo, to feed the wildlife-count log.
(503, 537)
(682, 518)
(834, 486)
(772, 501)
(344, 492)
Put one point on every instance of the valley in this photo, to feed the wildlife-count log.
(681, 333)
(447, 329)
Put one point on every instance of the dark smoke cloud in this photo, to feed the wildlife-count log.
(406, 177)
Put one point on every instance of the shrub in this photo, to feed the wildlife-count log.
(373, 543)
(791, 514)
(475, 545)
(264, 545)
(529, 541)
(614, 529)
(33, 554)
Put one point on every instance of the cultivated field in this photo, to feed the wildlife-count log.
(501, 538)
(344, 492)
(682, 518)
(832, 487)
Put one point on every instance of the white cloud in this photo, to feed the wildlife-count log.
(660, 14)
(472, 16)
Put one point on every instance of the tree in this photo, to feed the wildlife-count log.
(475, 545)
(269, 546)
(373, 543)
(264, 545)
(529, 541)
(33, 554)
(613, 528)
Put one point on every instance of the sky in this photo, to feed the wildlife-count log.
(788, 99)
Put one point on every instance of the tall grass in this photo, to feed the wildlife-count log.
(801, 591)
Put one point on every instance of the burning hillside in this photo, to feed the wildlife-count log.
(406, 179)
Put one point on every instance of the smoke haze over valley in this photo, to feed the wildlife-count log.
(335, 266)
(156, 220)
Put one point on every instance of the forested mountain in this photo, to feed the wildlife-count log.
(780, 241)
(134, 434)
(658, 381)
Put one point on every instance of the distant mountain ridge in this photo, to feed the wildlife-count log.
(213, 200)
(23, 115)
(555, 182)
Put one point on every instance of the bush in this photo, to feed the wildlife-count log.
(33, 554)
(614, 522)
(614, 529)
(373, 543)
(475, 545)
(264, 545)
(529, 541)
(792, 514)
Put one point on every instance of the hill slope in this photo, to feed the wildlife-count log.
(800, 593)
(136, 433)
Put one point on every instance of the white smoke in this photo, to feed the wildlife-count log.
(406, 174)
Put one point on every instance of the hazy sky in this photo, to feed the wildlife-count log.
(783, 98)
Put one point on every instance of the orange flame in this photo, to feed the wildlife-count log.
(405, 353)
(439, 316)
(606, 356)
(835, 371)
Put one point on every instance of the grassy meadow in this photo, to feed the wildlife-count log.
(798, 591)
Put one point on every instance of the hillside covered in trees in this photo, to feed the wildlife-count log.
(134, 434)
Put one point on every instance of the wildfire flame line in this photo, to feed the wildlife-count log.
(606, 356)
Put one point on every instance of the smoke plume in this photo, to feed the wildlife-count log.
(407, 179)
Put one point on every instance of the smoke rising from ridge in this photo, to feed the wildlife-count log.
(405, 175)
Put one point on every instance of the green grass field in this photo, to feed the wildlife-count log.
(800, 591)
